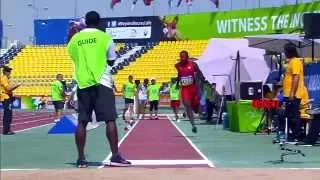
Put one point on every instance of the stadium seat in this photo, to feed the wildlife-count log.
(37, 66)
(159, 61)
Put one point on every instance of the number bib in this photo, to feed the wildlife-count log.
(186, 80)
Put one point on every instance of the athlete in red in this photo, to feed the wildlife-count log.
(189, 75)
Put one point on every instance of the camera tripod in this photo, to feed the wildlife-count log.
(266, 113)
(286, 151)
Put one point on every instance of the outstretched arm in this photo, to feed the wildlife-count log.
(178, 79)
(199, 72)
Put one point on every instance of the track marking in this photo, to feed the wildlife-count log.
(168, 162)
(35, 127)
(19, 169)
(210, 164)
(106, 160)
(27, 122)
(299, 168)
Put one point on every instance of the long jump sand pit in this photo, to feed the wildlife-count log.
(163, 174)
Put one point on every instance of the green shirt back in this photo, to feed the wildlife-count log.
(56, 88)
(154, 92)
(88, 51)
(129, 90)
(174, 92)
(209, 91)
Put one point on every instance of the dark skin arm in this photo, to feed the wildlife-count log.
(178, 79)
(199, 72)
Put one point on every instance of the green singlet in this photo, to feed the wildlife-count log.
(129, 90)
(154, 92)
(174, 92)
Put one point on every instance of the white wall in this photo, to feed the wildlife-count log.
(18, 15)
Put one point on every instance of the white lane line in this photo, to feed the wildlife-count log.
(107, 159)
(34, 127)
(168, 162)
(210, 164)
(19, 169)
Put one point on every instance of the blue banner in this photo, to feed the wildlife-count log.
(49, 32)
(312, 81)
(16, 104)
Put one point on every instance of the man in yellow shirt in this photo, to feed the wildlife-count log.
(293, 87)
(6, 99)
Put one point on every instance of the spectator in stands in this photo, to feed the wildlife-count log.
(142, 98)
(129, 91)
(42, 104)
(6, 98)
(293, 84)
(90, 50)
(154, 97)
(170, 30)
(58, 96)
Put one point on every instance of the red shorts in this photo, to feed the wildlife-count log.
(175, 103)
(190, 94)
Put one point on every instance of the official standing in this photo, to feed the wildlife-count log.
(6, 99)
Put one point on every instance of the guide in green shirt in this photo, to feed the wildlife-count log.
(174, 92)
(57, 96)
(129, 92)
(175, 97)
(56, 91)
(92, 50)
(154, 97)
(88, 50)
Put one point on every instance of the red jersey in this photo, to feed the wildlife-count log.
(186, 73)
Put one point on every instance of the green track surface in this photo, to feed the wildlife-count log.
(36, 149)
(242, 150)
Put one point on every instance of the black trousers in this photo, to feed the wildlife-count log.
(210, 106)
(314, 130)
(7, 115)
(292, 114)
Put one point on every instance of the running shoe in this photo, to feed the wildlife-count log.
(194, 129)
(127, 127)
(184, 115)
(119, 161)
(132, 123)
(82, 163)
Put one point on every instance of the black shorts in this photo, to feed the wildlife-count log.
(128, 101)
(58, 105)
(154, 105)
(99, 99)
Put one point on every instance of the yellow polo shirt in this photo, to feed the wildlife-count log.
(295, 67)
(4, 85)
